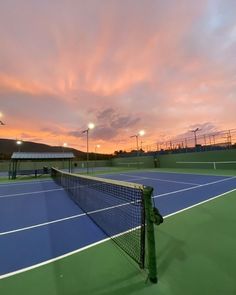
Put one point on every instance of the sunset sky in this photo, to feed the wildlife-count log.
(125, 65)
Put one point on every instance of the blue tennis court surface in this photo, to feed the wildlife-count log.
(39, 222)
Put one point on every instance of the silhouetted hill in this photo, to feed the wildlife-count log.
(8, 146)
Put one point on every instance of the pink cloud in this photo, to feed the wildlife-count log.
(156, 65)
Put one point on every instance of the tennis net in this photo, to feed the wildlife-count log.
(122, 210)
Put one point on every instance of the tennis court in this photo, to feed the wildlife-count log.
(49, 246)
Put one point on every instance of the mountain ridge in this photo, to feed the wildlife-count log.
(9, 146)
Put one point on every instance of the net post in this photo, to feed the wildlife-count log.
(152, 267)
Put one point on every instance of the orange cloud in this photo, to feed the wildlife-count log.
(17, 84)
(165, 66)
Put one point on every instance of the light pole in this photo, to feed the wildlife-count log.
(90, 126)
(229, 138)
(195, 135)
(140, 133)
(97, 146)
(141, 145)
(19, 143)
(63, 151)
(64, 146)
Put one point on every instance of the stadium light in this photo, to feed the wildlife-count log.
(90, 127)
(19, 143)
(140, 133)
(195, 135)
(64, 146)
(97, 146)
(1, 122)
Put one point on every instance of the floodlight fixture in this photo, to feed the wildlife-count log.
(195, 135)
(19, 143)
(141, 132)
(91, 126)
(1, 122)
(97, 146)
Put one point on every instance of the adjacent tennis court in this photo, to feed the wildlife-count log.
(50, 246)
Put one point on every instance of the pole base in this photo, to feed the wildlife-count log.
(153, 280)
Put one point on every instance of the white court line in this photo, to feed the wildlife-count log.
(31, 193)
(47, 191)
(138, 178)
(41, 224)
(24, 182)
(52, 260)
(193, 187)
(65, 255)
(44, 191)
(159, 179)
(106, 208)
(99, 242)
(187, 173)
(66, 218)
(200, 203)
